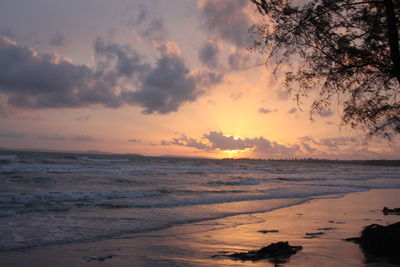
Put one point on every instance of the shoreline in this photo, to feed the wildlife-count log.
(193, 244)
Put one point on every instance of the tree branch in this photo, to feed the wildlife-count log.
(393, 37)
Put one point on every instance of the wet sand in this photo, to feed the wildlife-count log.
(319, 225)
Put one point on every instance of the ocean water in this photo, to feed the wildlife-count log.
(55, 198)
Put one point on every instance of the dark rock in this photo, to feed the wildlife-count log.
(380, 240)
(313, 235)
(387, 211)
(326, 228)
(353, 239)
(98, 258)
(268, 231)
(279, 251)
(316, 233)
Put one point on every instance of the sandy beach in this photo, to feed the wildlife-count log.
(319, 225)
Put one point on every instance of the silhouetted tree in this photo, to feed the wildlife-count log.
(347, 49)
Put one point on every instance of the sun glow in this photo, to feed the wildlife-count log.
(232, 153)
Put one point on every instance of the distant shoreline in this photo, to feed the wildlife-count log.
(371, 162)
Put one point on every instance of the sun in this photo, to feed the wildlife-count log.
(231, 153)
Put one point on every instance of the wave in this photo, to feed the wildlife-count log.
(101, 160)
(235, 181)
(71, 196)
(276, 193)
(8, 157)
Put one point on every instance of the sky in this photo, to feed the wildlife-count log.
(157, 77)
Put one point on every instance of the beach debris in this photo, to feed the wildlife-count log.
(313, 235)
(387, 211)
(326, 228)
(98, 258)
(335, 222)
(268, 231)
(316, 233)
(380, 240)
(274, 251)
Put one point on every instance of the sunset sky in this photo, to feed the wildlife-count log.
(166, 77)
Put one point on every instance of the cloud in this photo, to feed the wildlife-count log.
(140, 13)
(332, 143)
(308, 148)
(146, 24)
(170, 83)
(57, 39)
(208, 54)
(239, 60)
(217, 141)
(228, 20)
(134, 141)
(188, 142)
(30, 79)
(155, 30)
(266, 110)
(122, 58)
(47, 80)
(292, 111)
(335, 143)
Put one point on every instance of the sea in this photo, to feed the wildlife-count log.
(57, 198)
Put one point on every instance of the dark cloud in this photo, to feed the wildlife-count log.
(155, 30)
(292, 111)
(214, 141)
(30, 79)
(121, 58)
(208, 54)
(227, 20)
(219, 141)
(145, 22)
(336, 142)
(134, 141)
(333, 143)
(266, 110)
(139, 15)
(308, 148)
(188, 142)
(239, 60)
(46, 80)
(170, 83)
(57, 39)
